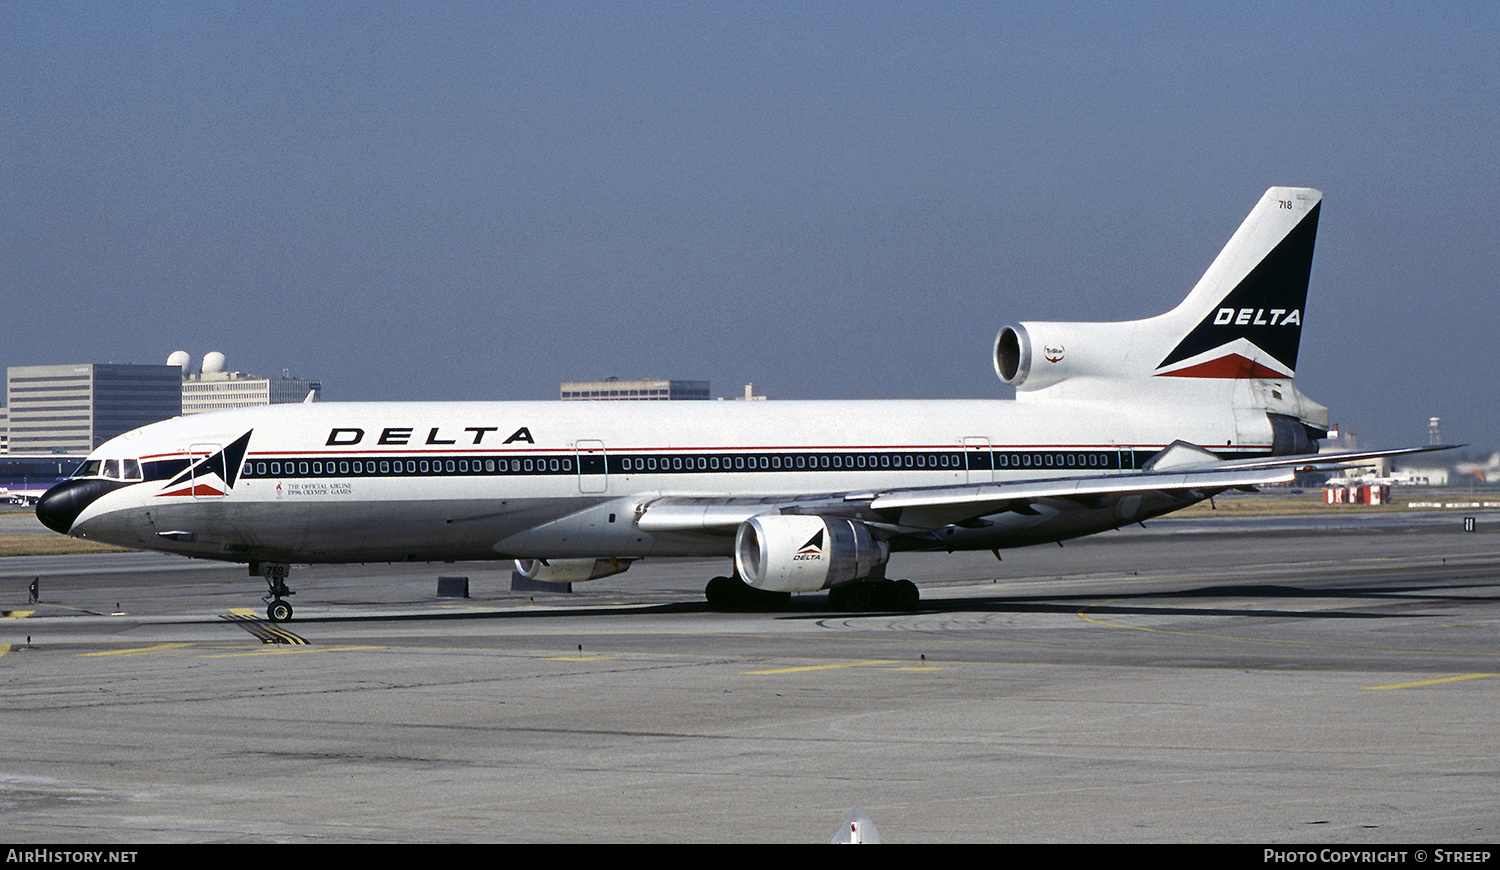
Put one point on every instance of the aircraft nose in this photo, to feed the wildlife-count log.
(60, 506)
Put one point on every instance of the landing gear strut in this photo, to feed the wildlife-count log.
(277, 610)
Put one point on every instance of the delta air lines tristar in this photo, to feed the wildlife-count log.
(1112, 423)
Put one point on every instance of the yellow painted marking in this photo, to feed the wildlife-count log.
(19, 614)
(1101, 622)
(161, 647)
(1263, 640)
(4, 648)
(580, 658)
(282, 650)
(268, 632)
(1416, 683)
(822, 667)
(244, 611)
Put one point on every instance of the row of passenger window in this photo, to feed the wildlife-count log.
(955, 461)
(637, 464)
(404, 467)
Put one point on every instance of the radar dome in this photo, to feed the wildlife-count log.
(183, 360)
(213, 362)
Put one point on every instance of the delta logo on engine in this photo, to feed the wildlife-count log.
(811, 551)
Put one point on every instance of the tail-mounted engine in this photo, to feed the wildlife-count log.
(1031, 356)
(1012, 355)
(793, 553)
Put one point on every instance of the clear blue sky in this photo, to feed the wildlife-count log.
(832, 200)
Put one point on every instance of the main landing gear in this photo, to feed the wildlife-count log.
(732, 593)
(277, 610)
(875, 595)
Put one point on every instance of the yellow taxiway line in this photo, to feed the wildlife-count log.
(1415, 683)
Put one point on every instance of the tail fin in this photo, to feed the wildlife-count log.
(1243, 320)
(1246, 311)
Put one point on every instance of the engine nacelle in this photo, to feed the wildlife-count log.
(1030, 356)
(793, 553)
(570, 570)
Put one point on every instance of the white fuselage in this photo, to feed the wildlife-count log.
(341, 482)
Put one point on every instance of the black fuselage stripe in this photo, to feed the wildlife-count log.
(323, 465)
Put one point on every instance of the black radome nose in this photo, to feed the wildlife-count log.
(60, 506)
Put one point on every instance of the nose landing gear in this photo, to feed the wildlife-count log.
(277, 610)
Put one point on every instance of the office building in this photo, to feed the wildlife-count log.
(215, 391)
(214, 388)
(616, 390)
(75, 408)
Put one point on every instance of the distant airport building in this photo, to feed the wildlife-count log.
(615, 390)
(750, 395)
(213, 388)
(72, 409)
(4, 430)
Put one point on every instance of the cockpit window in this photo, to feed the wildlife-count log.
(111, 469)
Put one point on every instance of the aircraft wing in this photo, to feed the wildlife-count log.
(1181, 469)
(1333, 461)
(931, 507)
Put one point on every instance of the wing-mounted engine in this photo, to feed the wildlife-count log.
(797, 553)
(570, 570)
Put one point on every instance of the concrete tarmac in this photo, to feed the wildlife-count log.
(1300, 681)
